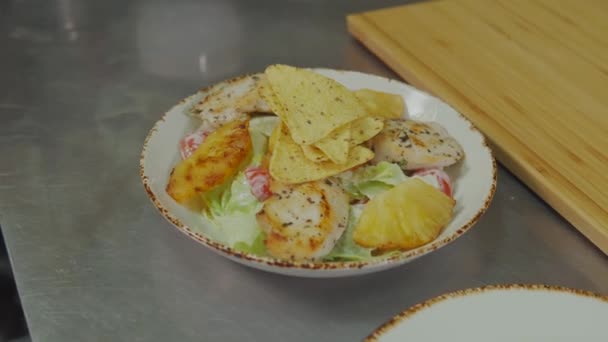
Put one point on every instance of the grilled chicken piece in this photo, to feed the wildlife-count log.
(303, 221)
(231, 100)
(415, 145)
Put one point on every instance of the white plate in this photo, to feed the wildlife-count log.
(474, 178)
(502, 313)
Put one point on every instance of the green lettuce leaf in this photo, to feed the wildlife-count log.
(237, 228)
(232, 212)
(240, 199)
(346, 249)
(260, 129)
(369, 181)
(263, 124)
(257, 247)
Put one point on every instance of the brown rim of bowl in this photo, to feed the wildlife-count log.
(376, 334)
(334, 265)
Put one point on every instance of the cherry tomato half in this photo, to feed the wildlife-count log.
(191, 142)
(442, 178)
(259, 180)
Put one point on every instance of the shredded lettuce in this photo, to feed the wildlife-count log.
(232, 211)
(371, 180)
(217, 198)
(263, 124)
(260, 128)
(257, 247)
(231, 208)
(237, 228)
(346, 249)
(367, 181)
(240, 198)
(258, 141)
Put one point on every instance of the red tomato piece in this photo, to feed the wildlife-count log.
(259, 180)
(444, 181)
(190, 143)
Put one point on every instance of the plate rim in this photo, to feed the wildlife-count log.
(387, 326)
(326, 265)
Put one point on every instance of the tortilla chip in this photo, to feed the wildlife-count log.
(288, 163)
(312, 105)
(313, 153)
(336, 145)
(361, 130)
(384, 105)
(267, 94)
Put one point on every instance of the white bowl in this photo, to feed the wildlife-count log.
(502, 313)
(474, 178)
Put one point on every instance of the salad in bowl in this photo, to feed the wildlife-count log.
(292, 171)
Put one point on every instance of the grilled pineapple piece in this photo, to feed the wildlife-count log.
(216, 160)
(407, 216)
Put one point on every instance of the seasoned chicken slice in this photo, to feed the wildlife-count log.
(303, 221)
(231, 100)
(415, 145)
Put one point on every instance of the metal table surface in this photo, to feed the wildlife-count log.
(83, 82)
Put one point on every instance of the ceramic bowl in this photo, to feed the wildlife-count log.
(474, 178)
(502, 313)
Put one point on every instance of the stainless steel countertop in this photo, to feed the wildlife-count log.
(82, 83)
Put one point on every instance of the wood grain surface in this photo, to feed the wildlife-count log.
(531, 74)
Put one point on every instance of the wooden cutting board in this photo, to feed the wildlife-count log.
(531, 74)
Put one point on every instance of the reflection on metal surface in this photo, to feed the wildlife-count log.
(29, 34)
(66, 16)
(62, 22)
(170, 37)
(202, 63)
